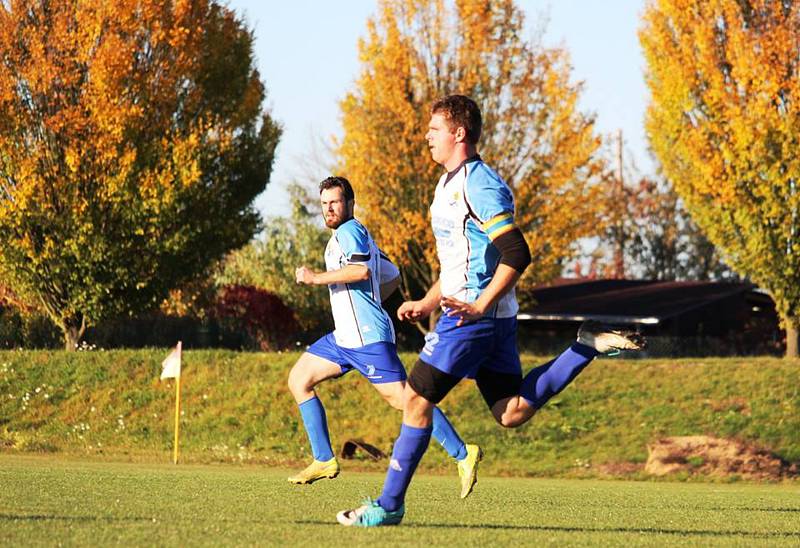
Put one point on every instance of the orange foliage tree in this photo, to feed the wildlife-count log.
(416, 51)
(132, 145)
(724, 122)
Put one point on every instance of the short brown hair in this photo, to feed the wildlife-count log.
(340, 182)
(460, 111)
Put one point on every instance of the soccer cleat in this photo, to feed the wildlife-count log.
(607, 338)
(370, 514)
(317, 470)
(468, 469)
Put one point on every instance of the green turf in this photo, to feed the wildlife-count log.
(47, 500)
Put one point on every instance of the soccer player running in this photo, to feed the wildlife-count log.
(481, 255)
(357, 274)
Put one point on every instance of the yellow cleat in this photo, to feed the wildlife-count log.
(468, 469)
(317, 470)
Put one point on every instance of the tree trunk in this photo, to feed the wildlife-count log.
(791, 337)
(73, 328)
(70, 340)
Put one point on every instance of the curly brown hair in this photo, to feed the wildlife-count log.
(460, 111)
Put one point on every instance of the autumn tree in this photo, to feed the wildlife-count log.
(723, 121)
(416, 51)
(132, 144)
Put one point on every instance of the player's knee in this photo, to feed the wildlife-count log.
(299, 381)
(512, 422)
(411, 400)
(509, 419)
(415, 406)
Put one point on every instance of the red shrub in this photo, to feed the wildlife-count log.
(262, 315)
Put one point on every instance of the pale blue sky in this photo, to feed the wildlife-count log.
(307, 56)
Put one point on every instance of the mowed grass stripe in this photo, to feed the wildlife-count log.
(50, 501)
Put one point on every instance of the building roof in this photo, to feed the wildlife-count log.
(624, 301)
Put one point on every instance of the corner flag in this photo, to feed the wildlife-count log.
(171, 369)
(171, 366)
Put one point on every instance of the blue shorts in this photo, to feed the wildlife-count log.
(489, 344)
(378, 362)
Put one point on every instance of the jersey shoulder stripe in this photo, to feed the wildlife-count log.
(498, 225)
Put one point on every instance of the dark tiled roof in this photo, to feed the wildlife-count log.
(625, 300)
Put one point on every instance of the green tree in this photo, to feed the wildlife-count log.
(132, 145)
(416, 51)
(269, 262)
(723, 121)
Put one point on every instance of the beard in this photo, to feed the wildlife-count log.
(335, 221)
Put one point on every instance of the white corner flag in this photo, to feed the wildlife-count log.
(171, 369)
(171, 366)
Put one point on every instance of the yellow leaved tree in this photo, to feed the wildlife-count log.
(724, 121)
(416, 51)
(132, 145)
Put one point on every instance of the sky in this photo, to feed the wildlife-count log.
(307, 55)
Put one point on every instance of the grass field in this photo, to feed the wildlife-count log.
(47, 500)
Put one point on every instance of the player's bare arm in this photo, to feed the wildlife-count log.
(348, 274)
(413, 311)
(503, 280)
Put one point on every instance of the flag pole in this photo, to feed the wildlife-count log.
(171, 369)
(177, 418)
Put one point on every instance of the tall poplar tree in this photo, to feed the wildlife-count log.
(132, 144)
(724, 121)
(416, 51)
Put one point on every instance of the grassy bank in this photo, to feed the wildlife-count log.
(236, 407)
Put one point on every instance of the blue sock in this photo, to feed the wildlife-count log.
(408, 450)
(446, 435)
(317, 428)
(545, 381)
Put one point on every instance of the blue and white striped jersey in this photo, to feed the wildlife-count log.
(357, 313)
(471, 207)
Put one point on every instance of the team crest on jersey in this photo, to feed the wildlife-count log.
(455, 198)
(370, 370)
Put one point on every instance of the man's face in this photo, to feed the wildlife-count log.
(335, 210)
(441, 140)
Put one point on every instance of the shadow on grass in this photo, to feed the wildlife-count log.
(45, 517)
(566, 529)
(744, 509)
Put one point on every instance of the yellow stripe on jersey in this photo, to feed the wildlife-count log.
(498, 225)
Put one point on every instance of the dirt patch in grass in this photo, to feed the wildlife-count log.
(619, 469)
(711, 456)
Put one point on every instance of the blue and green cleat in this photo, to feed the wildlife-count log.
(370, 514)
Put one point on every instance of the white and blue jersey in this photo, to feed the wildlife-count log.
(471, 207)
(358, 316)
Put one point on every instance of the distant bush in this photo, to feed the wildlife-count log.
(268, 322)
(19, 330)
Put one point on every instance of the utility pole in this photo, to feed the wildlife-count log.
(619, 218)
